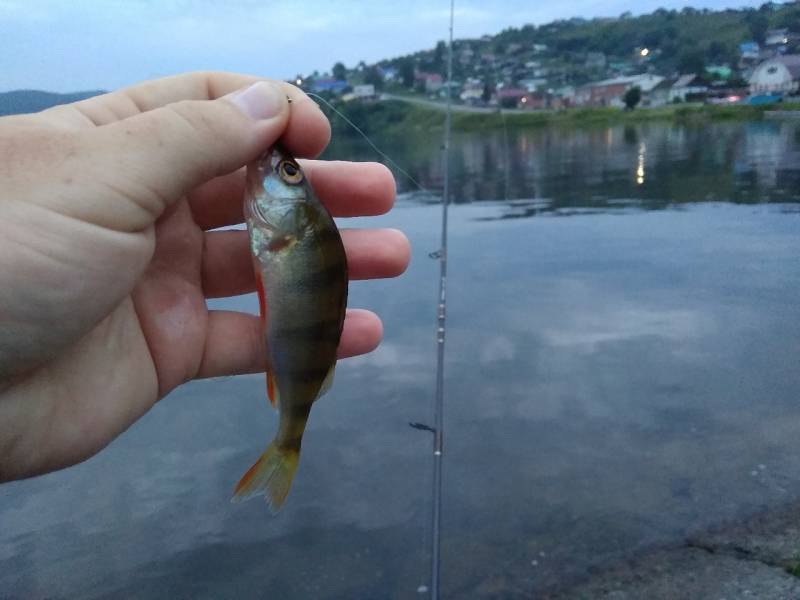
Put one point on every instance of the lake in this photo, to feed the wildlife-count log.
(623, 368)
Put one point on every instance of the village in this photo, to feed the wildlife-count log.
(535, 76)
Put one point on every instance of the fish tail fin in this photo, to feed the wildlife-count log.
(271, 475)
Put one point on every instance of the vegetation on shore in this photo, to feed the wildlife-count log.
(395, 116)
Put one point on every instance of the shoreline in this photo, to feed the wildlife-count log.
(394, 115)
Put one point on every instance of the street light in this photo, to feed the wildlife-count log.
(644, 52)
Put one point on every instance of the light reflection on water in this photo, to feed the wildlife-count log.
(614, 380)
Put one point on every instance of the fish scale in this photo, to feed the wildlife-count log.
(301, 271)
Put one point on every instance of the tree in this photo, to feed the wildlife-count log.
(488, 90)
(632, 97)
(691, 60)
(758, 23)
(718, 52)
(407, 72)
(339, 71)
(374, 77)
(438, 57)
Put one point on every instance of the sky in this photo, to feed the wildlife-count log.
(82, 45)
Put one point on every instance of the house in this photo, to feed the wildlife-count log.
(364, 92)
(334, 86)
(720, 72)
(780, 74)
(535, 101)
(532, 83)
(749, 50)
(621, 67)
(388, 73)
(609, 92)
(660, 95)
(509, 97)
(431, 81)
(688, 88)
(776, 37)
(472, 91)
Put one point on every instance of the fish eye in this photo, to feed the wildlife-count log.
(290, 172)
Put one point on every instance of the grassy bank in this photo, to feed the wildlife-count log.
(397, 116)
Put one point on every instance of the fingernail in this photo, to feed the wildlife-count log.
(259, 101)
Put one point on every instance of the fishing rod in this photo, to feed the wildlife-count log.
(438, 405)
(437, 429)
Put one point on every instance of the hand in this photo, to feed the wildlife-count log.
(106, 260)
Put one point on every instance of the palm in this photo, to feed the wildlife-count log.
(119, 319)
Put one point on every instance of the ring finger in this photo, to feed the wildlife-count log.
(371, 253)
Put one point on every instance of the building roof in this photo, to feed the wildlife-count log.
(790, 61)
(511, 93)
(645, 81)
(684, 81)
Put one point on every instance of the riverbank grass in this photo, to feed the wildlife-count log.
(394, 115)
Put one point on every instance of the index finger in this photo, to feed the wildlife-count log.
(306, 135)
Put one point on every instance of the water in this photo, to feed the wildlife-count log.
(615, 380)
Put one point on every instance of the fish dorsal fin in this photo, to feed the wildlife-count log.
(272, 390)
(327, 382)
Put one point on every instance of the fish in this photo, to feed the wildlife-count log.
(301, 276)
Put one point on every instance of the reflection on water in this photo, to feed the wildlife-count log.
(615, 379)
(652, 165)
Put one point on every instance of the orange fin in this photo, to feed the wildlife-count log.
(271, 476)
(262, 309)
(262, 298)
(272, 389)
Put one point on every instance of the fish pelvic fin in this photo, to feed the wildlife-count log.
(271, 475)
(272, 390)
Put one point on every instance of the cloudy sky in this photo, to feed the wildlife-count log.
(82, 44)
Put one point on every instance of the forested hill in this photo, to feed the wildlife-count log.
(26, 101)
(682, 41)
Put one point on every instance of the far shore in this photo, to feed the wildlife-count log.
(398, 114)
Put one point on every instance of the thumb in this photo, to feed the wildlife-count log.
(144, 163)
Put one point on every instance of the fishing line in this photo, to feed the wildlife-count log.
(372, 144)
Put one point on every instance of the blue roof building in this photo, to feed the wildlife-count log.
(335, 86)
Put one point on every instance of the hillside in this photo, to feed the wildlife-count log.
(574, 51)
(26, 101)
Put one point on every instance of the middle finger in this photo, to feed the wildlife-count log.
(347, 189)
(227, 269)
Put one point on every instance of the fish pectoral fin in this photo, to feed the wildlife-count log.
(272, 390)
(327, 382)
(281, 242)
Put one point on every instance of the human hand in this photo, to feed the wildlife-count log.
(106, 260)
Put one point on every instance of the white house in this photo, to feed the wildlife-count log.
(364, 92)
(776, 37)
(686, 86)
(780, 74)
